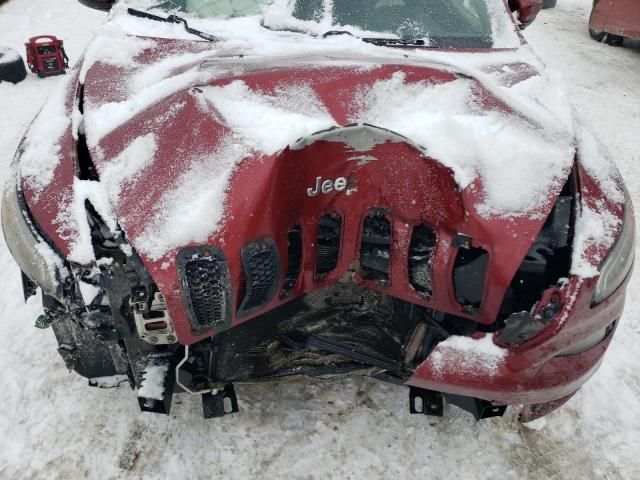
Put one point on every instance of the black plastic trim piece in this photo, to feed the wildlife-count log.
(184, 259)
(262, 275)
(294, 259)
(328, 243)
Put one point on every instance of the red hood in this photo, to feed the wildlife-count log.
(266, 191)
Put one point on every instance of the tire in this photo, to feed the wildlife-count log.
(549, 3)
(12, 67)
(98, 4)
(596, 35)
(614, 40)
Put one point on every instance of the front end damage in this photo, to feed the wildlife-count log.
(356, 254)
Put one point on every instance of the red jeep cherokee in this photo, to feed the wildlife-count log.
(253, 190)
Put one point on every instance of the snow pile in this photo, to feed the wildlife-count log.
(468, 356)
(200, 194)
(506, 152)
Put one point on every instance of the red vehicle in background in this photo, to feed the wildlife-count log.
(615, 20)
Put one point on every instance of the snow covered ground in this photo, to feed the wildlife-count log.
(52, 425)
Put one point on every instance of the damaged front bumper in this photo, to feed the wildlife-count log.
(538, 371)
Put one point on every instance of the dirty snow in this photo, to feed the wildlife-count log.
(359, 429)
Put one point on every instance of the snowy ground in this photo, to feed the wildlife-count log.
(52, 425)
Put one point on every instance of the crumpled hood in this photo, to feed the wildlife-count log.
(198, 146)
(179, 118)
(163, 117)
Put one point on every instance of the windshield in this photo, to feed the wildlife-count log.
(215, 8)
(430, 23)
(453, 23)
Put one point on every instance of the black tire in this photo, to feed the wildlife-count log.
(596, 35)
(549, 3)
(614, 40)
(98, 4)
(12, 67)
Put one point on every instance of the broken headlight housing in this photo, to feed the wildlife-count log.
(33, 255)
(619, 261)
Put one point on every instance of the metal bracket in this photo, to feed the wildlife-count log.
(425, 402)
(154, 325)
(156, 387)
(480, 409)
(215, 405)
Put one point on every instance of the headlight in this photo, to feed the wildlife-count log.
(618, 263)
(33, 255)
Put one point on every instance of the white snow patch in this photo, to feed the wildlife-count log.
(102, 120)
(152, 385)
(126, 166)
(536, 425)
(112, 46)
(268, 123)
(73, 220)
(165, 68)
(595, 229)
(194, 208)
(596, 160)
(88, 291)
(504, 151)
(470, 355)
(55, 265)
(42, 151)
(111, 381)
(8, 54)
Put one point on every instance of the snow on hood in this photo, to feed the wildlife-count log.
(500, 125)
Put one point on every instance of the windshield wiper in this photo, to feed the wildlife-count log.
(395, 42)
(383, 42)
(173, 19)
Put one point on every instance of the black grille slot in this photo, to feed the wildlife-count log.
(205, 287)
(375, 247)
(328, 244)
(468, 277)
(294, 259)
(423, 244)
(262, 274)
